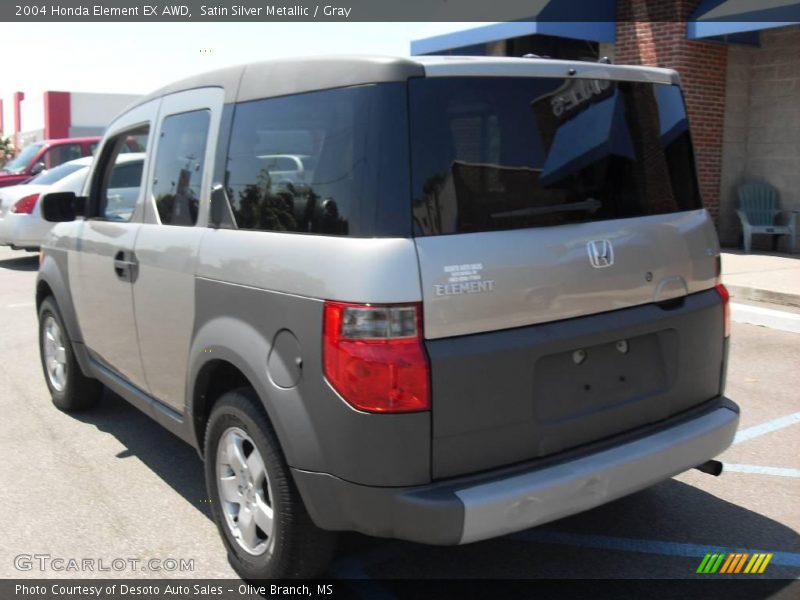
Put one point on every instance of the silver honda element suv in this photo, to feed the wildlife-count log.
(437, 299)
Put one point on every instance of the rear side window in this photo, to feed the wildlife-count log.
(179, 167)
(492, 154)
(332, 162)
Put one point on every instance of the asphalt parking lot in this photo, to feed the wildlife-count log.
(111, 483)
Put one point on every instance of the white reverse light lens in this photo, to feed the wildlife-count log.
(379, 322)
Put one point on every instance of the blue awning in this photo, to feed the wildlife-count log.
(716, 18)
(594, 134)
(549, 17)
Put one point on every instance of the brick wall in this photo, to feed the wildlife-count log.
(734, 140)
(762, 124)
(653, 32)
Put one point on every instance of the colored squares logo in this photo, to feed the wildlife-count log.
(734, 563)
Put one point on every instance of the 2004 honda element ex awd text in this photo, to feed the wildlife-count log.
(439, 299)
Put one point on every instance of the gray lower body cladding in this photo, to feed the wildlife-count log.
(509, 396)
(468, 509)
(275, 341)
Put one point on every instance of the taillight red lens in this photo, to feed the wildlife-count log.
(25, 205)
(726, 307)
(374, 358)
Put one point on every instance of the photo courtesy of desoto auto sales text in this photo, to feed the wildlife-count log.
(383, 299)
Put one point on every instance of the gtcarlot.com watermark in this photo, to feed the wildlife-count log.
(72, 564)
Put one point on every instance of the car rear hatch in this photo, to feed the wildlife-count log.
(567, 266)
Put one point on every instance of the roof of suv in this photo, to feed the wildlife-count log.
(281, 77)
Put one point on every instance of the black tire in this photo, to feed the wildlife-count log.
(297, 547)
(78, 391)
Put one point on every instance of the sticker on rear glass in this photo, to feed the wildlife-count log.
(464, 279)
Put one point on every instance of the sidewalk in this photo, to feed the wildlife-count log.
(764, 288)
(772, 278)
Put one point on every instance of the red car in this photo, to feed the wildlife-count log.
(40, 156)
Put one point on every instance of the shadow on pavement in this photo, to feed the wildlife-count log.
(671, 512)
(169, 457)
(27, 262)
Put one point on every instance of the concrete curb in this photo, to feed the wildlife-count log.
(765, 317)
(739, 292)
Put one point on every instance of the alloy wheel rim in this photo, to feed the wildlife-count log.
(55, 354)
(244, 492)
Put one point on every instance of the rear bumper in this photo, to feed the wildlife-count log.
(496, 503)
(20, 231)
(5, 235)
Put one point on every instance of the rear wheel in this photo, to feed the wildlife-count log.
(258, 511)
(69, 388)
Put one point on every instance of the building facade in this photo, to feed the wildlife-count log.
(54, 115)
(740, 68)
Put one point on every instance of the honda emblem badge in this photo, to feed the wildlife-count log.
(601, 253)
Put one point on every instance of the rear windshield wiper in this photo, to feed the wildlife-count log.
(589, 205)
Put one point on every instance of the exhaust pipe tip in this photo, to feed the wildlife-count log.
(712, 467)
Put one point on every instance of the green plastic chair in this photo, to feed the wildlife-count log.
(758, 212)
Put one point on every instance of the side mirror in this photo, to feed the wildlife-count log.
(60, 207)
(37, 168)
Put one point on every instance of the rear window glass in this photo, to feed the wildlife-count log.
(493, 154)
(57, 173)
(332, 162)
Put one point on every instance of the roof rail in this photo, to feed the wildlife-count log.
(603, 59)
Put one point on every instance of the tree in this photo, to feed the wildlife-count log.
(7, 150)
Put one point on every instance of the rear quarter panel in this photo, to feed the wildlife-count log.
(260, 300)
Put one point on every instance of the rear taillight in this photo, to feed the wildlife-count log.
(25, 205)
(726, 307)
(374, 358)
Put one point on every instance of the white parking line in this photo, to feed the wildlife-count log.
(20, 305)
(545, 536)
(755, 469)
(768, 427)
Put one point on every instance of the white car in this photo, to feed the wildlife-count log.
(21, 224)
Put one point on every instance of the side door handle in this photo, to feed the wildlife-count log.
(126, 266)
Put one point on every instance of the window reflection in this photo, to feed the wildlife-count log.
(318, 162)
(179, 167)
(493, 154)
(121, 179)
